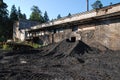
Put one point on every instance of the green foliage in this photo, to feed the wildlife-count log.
(14, 13)
(6, 47)
(97, 4)
(34, 45)
(46, 18)
(3, 17)
(24, 16)
(36, 15)
(20, 15)
(6, 21)
(59, 16)
(2, 39)
(3, 12)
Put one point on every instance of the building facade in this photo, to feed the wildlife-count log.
(100, 25)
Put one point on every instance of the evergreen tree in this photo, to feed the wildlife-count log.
(36, 15)
(111, 3)
(3, 12)
(20, 16)
(97, 4)
(46, 18)
(69, 15)
(13, 14)
(24, 16)
(59, 16)
(3, 18)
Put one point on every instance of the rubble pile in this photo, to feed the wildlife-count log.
(61, 61)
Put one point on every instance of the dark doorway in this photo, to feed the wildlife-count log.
(73, 39)
(37, 40)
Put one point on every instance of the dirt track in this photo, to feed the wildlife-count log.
(61, 61)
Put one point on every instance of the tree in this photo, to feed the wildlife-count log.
(36, 14)
(111, 3)
(20, 15)
(3, 12)
(97, 4)
(69, 15)
(46, 18)
(24, 16)
(13, 14)
(59, 16)
(3, 17)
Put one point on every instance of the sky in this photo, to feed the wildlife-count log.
(55, 7)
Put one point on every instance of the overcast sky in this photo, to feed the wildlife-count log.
(55, 7)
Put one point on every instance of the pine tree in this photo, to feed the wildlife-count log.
(97, 4)
(20, 16)
(36, 15)
(59, 16)
(3, 18)
(3, 12)
(46, 18)
(14, 13)
(24, 16)
(69, 15)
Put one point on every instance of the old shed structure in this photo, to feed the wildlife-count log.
(100, 25)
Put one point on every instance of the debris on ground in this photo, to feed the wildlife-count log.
(61, 61)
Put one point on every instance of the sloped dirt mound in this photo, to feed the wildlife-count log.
(62, 61)
(80, 49)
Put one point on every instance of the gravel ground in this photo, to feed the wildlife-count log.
(61, 61)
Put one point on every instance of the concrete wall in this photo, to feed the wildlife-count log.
(18, 35)
(100, 26)
(19, 29)
(106, 33)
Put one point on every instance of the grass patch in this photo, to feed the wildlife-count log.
(34, 45)
(6, 47)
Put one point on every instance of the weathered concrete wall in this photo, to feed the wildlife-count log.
(100, 26)
(19, 29)
(58, 36)
(107, 33)
(17, 33)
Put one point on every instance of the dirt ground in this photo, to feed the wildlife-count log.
(61, 61)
